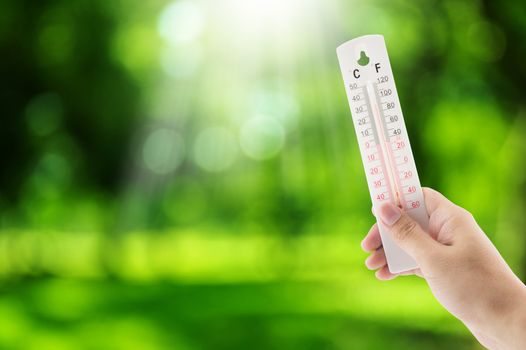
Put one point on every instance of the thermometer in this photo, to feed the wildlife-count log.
(384, 144)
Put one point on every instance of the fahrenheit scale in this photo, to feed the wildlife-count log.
(382, 137)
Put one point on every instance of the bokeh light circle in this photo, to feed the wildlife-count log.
(485, 41)
(215, 149)
(262, 137)
(180, 22)
(44, 113)
(181, 62)
(163, 151)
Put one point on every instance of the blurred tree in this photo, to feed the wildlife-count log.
(63, 48)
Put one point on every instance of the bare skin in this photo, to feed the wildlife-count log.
(463, 269)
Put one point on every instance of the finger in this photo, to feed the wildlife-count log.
(406, 232)
(372, 240)
(376, 260)
(384, 275)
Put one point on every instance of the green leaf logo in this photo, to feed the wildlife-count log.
(364, 60)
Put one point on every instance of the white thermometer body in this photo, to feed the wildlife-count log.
(382, 137)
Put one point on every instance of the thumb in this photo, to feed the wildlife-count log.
(406, 232)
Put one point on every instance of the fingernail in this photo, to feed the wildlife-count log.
(389, 214)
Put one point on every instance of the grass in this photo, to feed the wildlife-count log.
(196, 290)
(50, 313)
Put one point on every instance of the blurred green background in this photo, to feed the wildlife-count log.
(185, 175)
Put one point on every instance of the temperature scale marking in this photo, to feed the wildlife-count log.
(382, 136)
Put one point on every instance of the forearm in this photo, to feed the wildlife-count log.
(516, 325)
(505, 325)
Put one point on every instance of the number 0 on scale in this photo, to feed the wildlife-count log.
(382, 137)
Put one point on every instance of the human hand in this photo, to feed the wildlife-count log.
(463, 269)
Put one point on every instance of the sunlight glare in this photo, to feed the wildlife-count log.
(181, 22)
